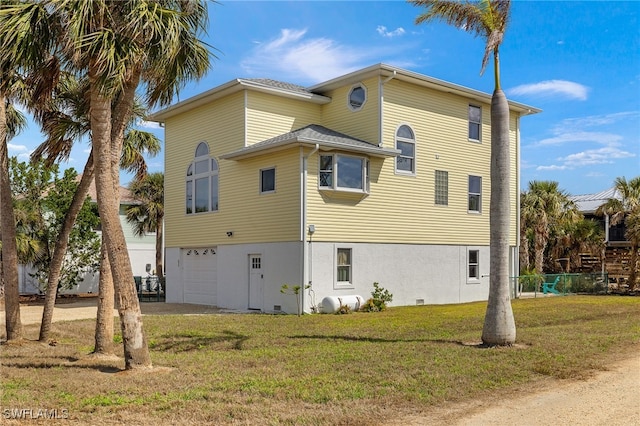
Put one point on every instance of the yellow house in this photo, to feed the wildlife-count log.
(381, 175)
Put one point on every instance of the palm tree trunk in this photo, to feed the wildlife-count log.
(499, 324)
(60, 249)
(524, 250)
(540, 243)
(136, 350)
(104, 319)
(8, 229)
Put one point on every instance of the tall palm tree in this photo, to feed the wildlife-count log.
(626, 209)
(9, 248)
(64, 119)
(24, 46)
(488, 19)
(544, 208)
(118, 45)
(148, 216)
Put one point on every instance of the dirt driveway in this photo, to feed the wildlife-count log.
(610, 398)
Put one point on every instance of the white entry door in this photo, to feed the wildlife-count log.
(256, 282)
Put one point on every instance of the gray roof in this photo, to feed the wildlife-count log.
(589, 203)
(277, 84)
(326, 139)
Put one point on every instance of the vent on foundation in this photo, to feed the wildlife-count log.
(419, 301)
(277, 308)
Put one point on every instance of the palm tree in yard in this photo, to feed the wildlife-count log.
(544, 210)
(488, 19)
(118, 45)
(10, 124)
(626, 209)
(64, 119)
(148, 215)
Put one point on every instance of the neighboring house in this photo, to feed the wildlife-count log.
(589, 203)
(381, 175)
(615, 258)
(141, 252)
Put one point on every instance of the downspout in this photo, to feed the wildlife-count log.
(516, 261)
(380, 106)
(304, 159)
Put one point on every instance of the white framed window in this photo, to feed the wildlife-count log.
(442, 188)
(344, 173)
(202, 182)
(268, 180)
(473, 265)
(406, 144)
(475, 194)
(357, 97)
(343, 262)
(475, 119)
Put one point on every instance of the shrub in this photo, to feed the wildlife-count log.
(379, 299)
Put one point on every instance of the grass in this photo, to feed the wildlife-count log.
(363, 368)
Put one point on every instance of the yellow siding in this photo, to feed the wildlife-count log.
(269, 116)
(251, 216)
(399, 208)
(402, 208)
(362, 124)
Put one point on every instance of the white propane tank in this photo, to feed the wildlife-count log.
(331, 304)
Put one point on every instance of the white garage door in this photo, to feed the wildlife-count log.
(199, 273)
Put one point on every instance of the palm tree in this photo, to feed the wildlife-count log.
(148, 216)
(118, 45)
(64, 118)
(544, 208)
(488, 19)
(9, 249)
(627, 209)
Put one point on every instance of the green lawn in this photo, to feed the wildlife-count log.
(361, 368)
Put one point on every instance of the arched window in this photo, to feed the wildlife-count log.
(202, 182)
(406, 144)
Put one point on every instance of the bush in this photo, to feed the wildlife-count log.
(379, 299)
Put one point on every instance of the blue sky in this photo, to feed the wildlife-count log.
(577, 61)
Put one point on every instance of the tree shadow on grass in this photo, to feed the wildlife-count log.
(475, 344)
(70, 364)
(185, 342)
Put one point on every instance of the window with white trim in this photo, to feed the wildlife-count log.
(357, 97)
(406, 144)
(473, 265)
(344, 266)
(475, 118)
(267, 180)
(475, 194)
(202, 182)
(442, 188)
(344, 173)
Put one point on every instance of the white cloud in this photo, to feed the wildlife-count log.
(293, 55)
(567, 89)
(382, 30)
(17, 148)
(596, 120)
(582, 137)
(597, 147)
(590, 157)
(552, 167)
(148, 124)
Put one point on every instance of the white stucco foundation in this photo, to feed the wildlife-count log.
(414, 274)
